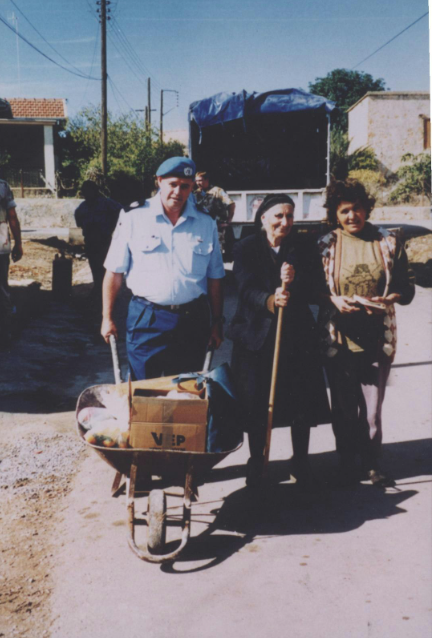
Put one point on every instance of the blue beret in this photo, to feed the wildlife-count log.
(177, 167)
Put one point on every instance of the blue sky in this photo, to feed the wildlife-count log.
(202, 47)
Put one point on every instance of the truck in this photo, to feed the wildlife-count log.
(253, 144)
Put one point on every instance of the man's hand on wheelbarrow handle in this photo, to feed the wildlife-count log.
(108, 328)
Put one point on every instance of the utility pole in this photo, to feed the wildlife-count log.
(161, 118)
(104, 110)
(149, 104)
(161, 109)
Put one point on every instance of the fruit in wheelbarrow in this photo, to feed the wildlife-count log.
(123, 440)
(108, 441)
(91, 438)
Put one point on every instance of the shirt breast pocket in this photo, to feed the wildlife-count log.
(201, 254)
(146, 253)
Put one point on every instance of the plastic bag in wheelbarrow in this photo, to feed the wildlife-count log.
(223, 430)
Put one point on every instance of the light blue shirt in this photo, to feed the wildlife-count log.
(166, 264)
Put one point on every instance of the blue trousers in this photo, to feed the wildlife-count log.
(163, 342)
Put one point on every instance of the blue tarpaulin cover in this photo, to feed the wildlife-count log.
(225, 107)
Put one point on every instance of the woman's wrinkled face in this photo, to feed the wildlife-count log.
(351, 217)
(277, 221)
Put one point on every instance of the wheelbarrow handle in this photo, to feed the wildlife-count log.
(115, 358)
(208, 360)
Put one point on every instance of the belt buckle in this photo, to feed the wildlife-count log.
(174, 307)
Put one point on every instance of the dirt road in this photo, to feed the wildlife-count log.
(335, 563)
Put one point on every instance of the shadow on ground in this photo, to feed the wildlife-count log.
(56, 352)
(281, 510)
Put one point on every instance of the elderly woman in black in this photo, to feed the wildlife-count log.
(261, 263)
(366, 272)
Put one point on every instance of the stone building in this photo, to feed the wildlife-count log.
(29, 139)
(392, 123)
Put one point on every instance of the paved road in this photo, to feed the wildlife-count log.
(334, 564)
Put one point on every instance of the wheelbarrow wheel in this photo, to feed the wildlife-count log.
(156, 520)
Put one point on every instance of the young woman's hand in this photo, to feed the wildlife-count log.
(345, 305)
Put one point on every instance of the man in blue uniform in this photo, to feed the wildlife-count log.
(169, 252)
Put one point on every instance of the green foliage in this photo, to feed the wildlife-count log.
(374, 181)
(363, 159)
(345, 87)
(4, 158)
(339, 153)
(134, 153)
(414, 178)
(341, 162)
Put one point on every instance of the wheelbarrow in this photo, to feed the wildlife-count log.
(175, 468)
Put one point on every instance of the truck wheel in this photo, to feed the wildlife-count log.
(156, 521)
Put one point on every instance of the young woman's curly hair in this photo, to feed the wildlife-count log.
(348, 190)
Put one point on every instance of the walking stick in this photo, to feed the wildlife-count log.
(278, 339)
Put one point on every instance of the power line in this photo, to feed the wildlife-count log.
(391, 40)
(81, 75)
(131, 51)
(43, 38)
(126, 61)
(92, 62)
(114, 90)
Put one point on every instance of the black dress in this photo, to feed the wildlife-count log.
(301, 398)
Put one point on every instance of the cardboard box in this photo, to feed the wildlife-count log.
(166, 436)
(146, 408)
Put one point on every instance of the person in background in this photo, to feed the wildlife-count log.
(97, 216)
(169, 253)
(217, 203)
(261, 263)
(8, 222)
(366, 273)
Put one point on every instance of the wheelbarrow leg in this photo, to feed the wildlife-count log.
(131, 497)
(188, 496)
(186, 523)
(117, 485)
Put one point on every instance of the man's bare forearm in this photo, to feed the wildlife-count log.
(111, 285)
(14, 225)
(231, 211)
(215, 296)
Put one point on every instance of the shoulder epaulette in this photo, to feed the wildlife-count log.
(134, 205)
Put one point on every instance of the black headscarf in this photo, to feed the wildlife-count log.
(268, 202)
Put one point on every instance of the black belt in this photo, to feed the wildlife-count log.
(178, 308)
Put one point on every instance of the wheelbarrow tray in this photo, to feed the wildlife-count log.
(161, 462)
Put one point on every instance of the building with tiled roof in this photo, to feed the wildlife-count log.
(38, 108)
(29, 138)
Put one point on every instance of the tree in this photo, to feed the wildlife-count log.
(414, 178)
(134, 153)
(342, 162)
(345, 88)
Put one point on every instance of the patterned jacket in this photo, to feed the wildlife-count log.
(215, 201)
(397, 279)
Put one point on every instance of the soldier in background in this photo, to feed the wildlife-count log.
(217, 203)
(97, 216)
